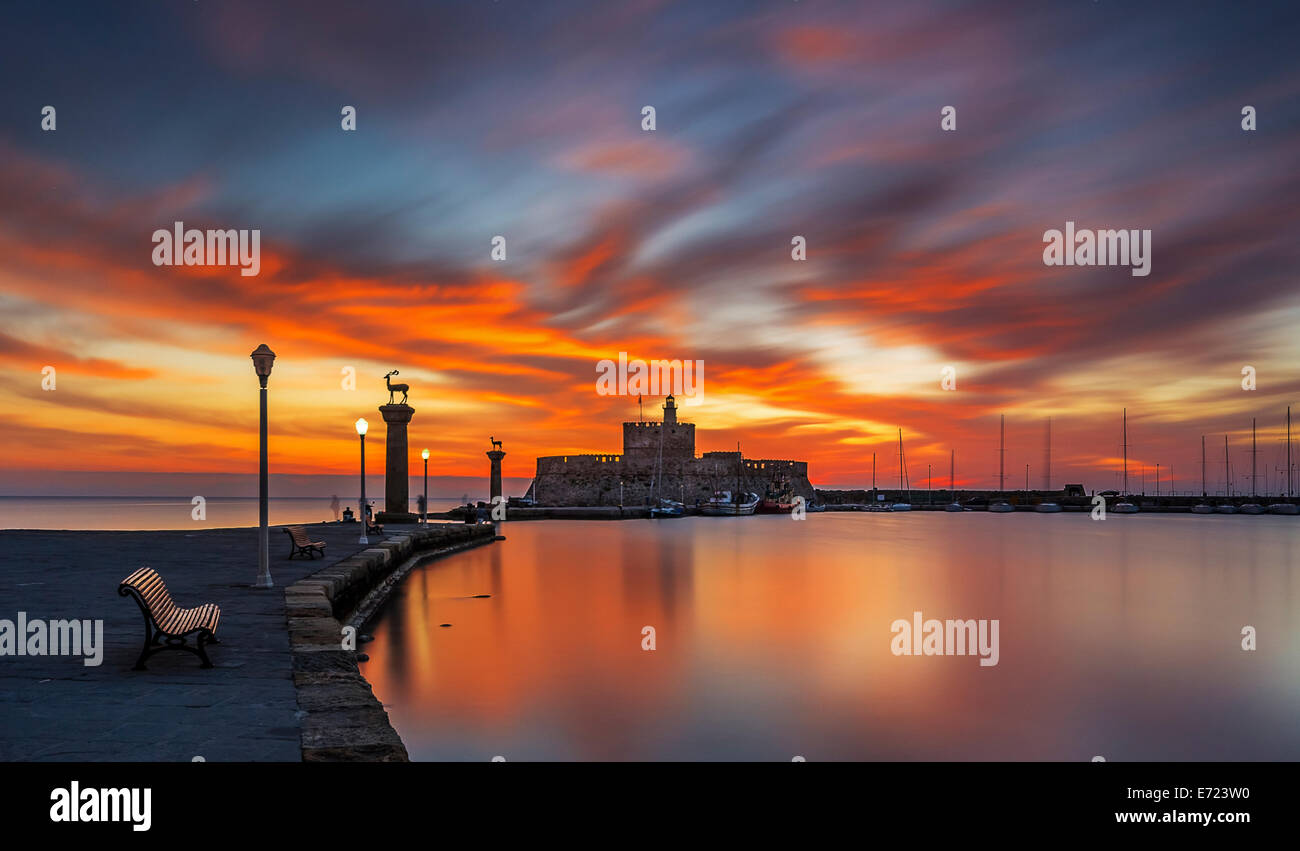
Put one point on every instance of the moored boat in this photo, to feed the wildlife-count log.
(1203, 507)
(1124, 506)
(1251, 508)
(952, 482)
(1225, 508)
(729, 504)
(1284, 508)
(1047, 506)
(779, 499)
(668, 508)
(1002, 506)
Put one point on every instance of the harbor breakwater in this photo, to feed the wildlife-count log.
(342, 720)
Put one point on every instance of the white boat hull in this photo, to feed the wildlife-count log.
(1002, 508)
(1225, 509)
(1124, 508)
(900, 506)
(728, 508)
(1283, 508)
(1047, 508)
(1252, 508)
(1202, 509)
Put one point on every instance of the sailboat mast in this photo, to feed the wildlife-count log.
(1227, 469)
(1047, 481)
(1289, 491)
(952, 470)
(1126, 451)
(738, 463)
(873, 474)
(1252, 458)
(1202, 466)
(900, 460)
(1002, 455)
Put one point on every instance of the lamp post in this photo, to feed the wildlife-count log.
(362, 425)
(424, 512)
(263, 359)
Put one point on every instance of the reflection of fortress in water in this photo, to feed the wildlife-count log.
(594, 479)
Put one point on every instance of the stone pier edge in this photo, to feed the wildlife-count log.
(342, 720)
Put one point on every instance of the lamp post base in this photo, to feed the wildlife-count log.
(363, 540)
(264, 582)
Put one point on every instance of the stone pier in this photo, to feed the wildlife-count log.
(396, 479)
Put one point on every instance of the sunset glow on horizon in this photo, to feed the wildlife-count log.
(774, 120)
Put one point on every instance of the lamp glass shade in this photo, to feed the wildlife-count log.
(362, 425)
(425, 455)
(263, 358)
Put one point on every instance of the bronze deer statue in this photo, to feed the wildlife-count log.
(395, 388)
(496, 444)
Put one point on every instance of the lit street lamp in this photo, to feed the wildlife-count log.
(362, 425)
(424, 512)
(263, 359)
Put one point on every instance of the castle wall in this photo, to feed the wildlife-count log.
(594, 479)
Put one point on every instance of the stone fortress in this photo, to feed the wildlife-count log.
(568, 480)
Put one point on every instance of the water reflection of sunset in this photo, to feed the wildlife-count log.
(773, 639)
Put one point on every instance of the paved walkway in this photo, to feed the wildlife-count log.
(245, 708)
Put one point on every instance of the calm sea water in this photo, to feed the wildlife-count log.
(136, 513)
(1120, 638)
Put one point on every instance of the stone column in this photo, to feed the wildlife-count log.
(396, 479)
(495, 483)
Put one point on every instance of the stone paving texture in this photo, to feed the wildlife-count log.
(54, 708)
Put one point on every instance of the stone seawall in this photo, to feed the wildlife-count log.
(600, 480)
(342, 720)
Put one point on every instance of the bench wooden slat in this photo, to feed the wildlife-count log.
(164, 619)
(300, 544)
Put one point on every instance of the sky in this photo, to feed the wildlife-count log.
(523, 118)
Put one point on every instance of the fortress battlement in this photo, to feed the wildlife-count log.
(659, 461)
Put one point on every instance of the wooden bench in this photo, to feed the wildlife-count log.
(301, 545)
(166, 625)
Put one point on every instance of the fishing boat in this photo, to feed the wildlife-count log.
(1252, 507)
(902, 478)
(952, 492)
(668, 508)
(1124, 506)
(1002, 506)
(1048, 507)
(779, 498)
(731, 503)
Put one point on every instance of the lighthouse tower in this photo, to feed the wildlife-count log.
(670, 412)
